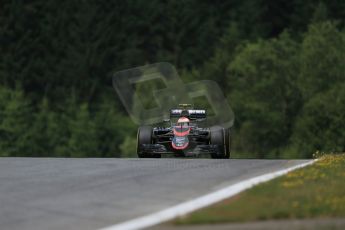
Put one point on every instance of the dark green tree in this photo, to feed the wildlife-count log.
(322, 58)
(15, 124)
(46, 131)
(321, 123)
(264, 94)
(83, 137)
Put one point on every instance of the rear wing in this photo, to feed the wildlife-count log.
(193, 114)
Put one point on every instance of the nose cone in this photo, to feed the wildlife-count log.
(180, 143)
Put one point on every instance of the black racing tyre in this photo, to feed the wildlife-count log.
(227, 142)
(144, 136)
(218, 138)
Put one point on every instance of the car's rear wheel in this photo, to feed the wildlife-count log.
(144, 136)
(218, 138)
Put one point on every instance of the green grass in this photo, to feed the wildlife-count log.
(315, 191)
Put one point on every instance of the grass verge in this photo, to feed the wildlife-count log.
(315, 191)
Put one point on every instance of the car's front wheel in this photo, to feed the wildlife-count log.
(144, 136)
(227, 142)
(218, 138)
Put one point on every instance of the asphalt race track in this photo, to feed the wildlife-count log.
(46, 193)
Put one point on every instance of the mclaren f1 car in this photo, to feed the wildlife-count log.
(183, 136)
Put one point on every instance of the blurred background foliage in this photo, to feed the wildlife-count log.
(280, 64)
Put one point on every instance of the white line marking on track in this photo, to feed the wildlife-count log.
(200, 202)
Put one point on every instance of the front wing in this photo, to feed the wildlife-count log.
(161, 149)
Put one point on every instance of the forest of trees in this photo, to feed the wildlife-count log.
(281, 65)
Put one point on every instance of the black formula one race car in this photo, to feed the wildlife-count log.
(184, 137)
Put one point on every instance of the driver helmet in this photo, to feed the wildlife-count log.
(184, 121)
